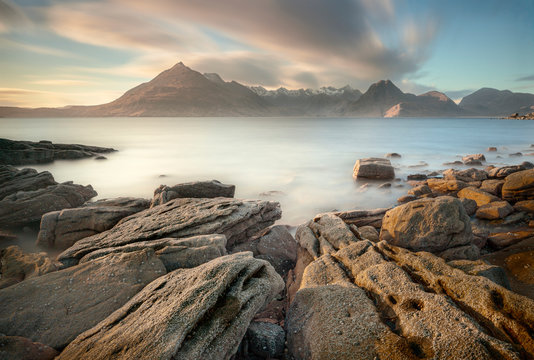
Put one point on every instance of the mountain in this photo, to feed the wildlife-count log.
(378, 99)
(493, 102)
(430, 104)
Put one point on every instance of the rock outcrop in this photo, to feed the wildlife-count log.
(481, 197)
(474, 159)
(495, 210)
(20, 348)
(197, 189)
(519, 186)
(15, 265)
(199, 313)
(13, 180)
(238, 220)
(54, 308)
(61, 229)
(373, 168)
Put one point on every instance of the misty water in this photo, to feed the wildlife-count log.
(304, 163)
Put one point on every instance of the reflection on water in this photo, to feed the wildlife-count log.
(305, 163)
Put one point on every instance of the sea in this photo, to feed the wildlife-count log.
(306, 164)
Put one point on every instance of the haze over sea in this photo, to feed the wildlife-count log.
(306, 163)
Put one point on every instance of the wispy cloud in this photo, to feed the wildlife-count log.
(11, 16)
(38, 98)
(526, 78)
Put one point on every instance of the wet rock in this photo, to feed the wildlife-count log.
(265, 339)
(199, 313)
(238, 220)
(197, 189)
(517, 154)
(101, 158)
(504, 239)
(481, 197)
(20, 348)
(457, 162)
(173, 253)
(13, 180)
(493, 187)
(466, 175)
(419, 190)
(406, 198)
(54, 308)
(519, 186)
(491, 149)
(474, 159)
(433, 225)
(416, 177)
(384, 186)
(526, 205)
(470, 206)
(61, 229)
(445, 186)
(15, 265)
(373, 168)
(495, 210)
(27, 207)
(392, 155)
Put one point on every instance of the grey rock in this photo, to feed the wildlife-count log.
(16, 265)
(199, 313)
(373, 168)
(470, 206)
(466, 175)
(238, 220)
(419, 190)
(13, 180)
(265, 339)
(198, 189)
(54, 308)
(20, 348)
(493, 186)
(504, 171)
(481, 268)
(474, 159)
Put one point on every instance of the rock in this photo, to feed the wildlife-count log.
(373, 168)
(419, 190)
(197, 189)
(475, 159)
(470, 206)
(406, 198)
(238, 220)
(495, 210)
(363, 217)
(416, 177)
(27, 152)
(482, 268)
(517, 154)
(368, 233)
(468, 252)
(26, 208)
(445, 186)
(467, 175)
(504, 171)
(15, 265)
(519, 186)
(504, 239)
(54, 308)
(457, 162)
(101, 158)
(265, 339)
(481, 197)
(383, 302)
(61, 229)
(13, 180)
(277, 246)
(526, 205)
(433, 225)
(294, 276)
(491, 149)
(7, 236)
(384, 186)
(20, 348)
(392, 155)
(493, 187)
(199, 313)
(173, 253)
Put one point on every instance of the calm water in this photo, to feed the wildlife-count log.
(306, 162)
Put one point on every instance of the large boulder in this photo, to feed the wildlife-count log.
(197, 189)
(266, 340)
(199, 313)
(492, 186)
(373, 168)
(495, 210)
(445, 185)
(13, 180)
(238, 220)
(433, 225)
(15, 265)
(369, 301)
(519, 186)
(481, 197)
(54, 308)
(466, 175)
(27, 207)
(504, 171)
(61, 229)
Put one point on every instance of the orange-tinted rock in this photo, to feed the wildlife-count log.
(495, 210)
(444, 186)
(481, 197)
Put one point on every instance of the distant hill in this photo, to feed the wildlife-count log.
(378, 99)
(430, 104)
(493, 102)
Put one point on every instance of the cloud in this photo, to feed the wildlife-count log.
(11, 16)
(525, 78)
(38, 98)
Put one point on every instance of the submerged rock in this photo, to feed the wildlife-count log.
(199, 313)
(373, 168)
(197, 189)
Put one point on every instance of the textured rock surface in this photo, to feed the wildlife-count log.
(470, 206)
(482, 268)
(15, 265)
(466, 175)
(494, 210)
(265, 339)
(526, 205)
(481, 197)
(20, 348)
(199, 313)
(519, 186)
(238, 220)
(363, 217)
(474, 159)
(173, 253)
(370, 301)
(61, 229)
(54, 308)
(420, 190)
(198, 189)
(433, 225)
(504, 171)
(493, 186)
(373, 168)
(445, 186)
(25, 208)
(28, 152)
(13, 180)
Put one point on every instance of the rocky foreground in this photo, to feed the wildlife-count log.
(195, 274)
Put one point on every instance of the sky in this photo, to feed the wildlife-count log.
(65, 52)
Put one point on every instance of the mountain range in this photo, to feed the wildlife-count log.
(181, 91)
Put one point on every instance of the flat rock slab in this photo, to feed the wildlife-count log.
(13, 180)
(61, 229)
(197, 189)
(373, 168)
(236, 219)
(27, 207)
(519, 186)
(481, 197)
(54, 308)
(199, 313)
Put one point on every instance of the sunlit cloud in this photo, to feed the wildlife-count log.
(11, 16)
(39, 98)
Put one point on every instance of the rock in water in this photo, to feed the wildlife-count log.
(373, 168)
(236, 219)
(54, 308)
(519, 186)
(199, 313)
(198, 189)
(27, 207)
(434, 225)
(13, 180)
(61, 229)
(16, 266)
